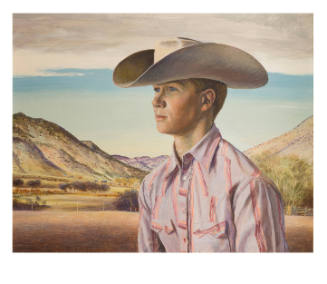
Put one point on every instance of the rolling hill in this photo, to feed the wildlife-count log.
(43, 148)
(298, 141)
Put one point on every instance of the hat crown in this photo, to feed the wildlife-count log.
(165, 47)
(183, 58)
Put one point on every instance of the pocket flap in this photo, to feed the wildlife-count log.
(168, 228)
(156, 227)
(218, 230)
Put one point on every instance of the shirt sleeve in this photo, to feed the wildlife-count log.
(148, 241)
(259, 217)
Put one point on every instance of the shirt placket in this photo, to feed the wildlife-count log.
(184, 201)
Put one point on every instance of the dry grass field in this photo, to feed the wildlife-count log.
(299, 233)
(108, 231)
(69, 231)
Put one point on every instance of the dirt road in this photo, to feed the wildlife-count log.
(108, 231)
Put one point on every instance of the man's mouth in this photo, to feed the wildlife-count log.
(160, 117)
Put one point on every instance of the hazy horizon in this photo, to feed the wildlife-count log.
(121, 121)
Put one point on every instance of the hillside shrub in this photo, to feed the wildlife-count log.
(127, 201)
(64, 186)
(84, 186)
(293, 177)
(34, 183)
(29, 204)
(18, 182)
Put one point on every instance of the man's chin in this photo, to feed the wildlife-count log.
(162, 129)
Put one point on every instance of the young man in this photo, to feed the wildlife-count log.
(208, 196)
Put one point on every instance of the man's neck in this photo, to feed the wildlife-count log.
(186, 141)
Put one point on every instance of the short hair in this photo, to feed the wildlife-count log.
(219, 88)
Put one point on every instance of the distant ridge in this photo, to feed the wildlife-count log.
(298, 141)
(41, 147)
(145, 163)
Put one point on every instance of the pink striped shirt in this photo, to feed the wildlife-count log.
(215, 200)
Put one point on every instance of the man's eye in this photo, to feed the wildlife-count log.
(172, 89)
(156, 90)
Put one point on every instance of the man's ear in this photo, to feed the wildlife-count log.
(208, 97)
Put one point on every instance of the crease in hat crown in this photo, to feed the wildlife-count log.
(165, 47)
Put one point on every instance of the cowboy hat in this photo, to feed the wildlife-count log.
(182, 58)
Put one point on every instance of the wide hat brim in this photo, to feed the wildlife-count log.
(224, 63)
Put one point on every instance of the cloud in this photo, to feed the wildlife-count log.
(99, 40)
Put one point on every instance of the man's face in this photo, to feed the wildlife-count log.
(177, 107)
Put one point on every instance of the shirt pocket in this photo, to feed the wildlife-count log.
(218, 230)
(212, 237)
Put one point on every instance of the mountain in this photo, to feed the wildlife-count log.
(41, 147)
(144, 163)
(298, 141)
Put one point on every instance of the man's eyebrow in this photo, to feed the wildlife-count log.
(178, 82)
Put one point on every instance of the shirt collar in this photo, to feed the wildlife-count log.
(203, 151)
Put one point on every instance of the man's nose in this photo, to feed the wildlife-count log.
(158, 100)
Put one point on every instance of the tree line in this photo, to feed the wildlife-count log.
(293, 177)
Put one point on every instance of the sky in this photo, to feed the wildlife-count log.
(63, 73)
